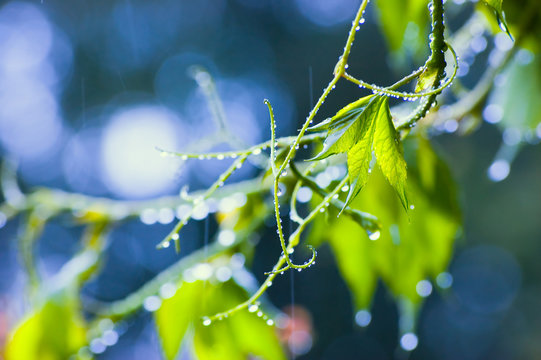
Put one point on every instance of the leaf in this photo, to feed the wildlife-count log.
(497, 7)
(387, 148)
(428, 78)
(359, 128)
(55, 330)
(517, 99)
(404, 24)
(347, 127)
(237, 337)
(175, 315)
(410, 248)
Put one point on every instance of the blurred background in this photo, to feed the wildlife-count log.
(88, 89)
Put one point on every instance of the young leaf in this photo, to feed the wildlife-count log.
(347, 127)
(237, 337)
(55, 331)
(359, 128)
(409, 248)
(497, 7)
(404, 24)
(428, 78)
(518, 98)
(359, 157)
(175, 315)
(387, 148)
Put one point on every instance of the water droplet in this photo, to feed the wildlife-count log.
(260, 313)
(362, 21)
(444, 280)
(269, 283)
(363, 318)
(226, 237)
(412, 207)
(152, 303)
(373, 235)
(223, 273)
(345, 188)
(109, 337)
(149, 216)
(184, 157)
(499, 170)
(270, 322)
(304, 194)
(424, 288)
(409, 341)
(253, 308)
(220, 157)
(206, 321)
(97, 346)
(299, 270)
(257, 151)
(493, 113)
(168, 290)
(165, 245)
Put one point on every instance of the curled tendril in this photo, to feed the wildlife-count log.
(389, 92)
(300, 267)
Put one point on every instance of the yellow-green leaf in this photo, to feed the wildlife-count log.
(518, 97)
(428, 78)
(404, 24)
(347, 127)
(54, 331)
(239, 336)
(497, 8)
(387, 148)
(408, 248)
(175, 316)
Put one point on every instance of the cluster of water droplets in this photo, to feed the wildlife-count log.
(108, 335)
(252, 308)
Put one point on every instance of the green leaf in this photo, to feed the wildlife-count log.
(518, 96)
(239, 336)
(347, 127)
(387, 147)
(497, 7)
(358, 129)
(428, 78)
(56, 330)
(404, 24)
(410, 248)
(175, 316)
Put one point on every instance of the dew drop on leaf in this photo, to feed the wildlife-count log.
(373, 235)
